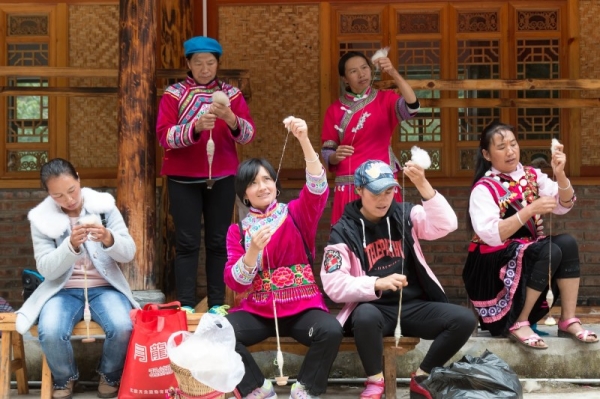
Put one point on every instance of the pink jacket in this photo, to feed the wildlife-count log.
(350, 285)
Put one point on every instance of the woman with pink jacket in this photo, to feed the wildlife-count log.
(373, 253)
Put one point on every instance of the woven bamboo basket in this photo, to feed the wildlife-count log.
(188, 385)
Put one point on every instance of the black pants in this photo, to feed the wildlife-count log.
(188, 203)
(448, 325)
(564, 260)
(318, 330)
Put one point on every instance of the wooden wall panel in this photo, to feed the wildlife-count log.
(279, 44)
(590, 65)
(92, 122)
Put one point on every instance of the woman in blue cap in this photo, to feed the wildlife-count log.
(373, 261)
(200, 159)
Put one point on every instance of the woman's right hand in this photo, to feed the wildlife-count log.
(205, 122)
(392, 282)
(542, 206)
(343, 152)
(261, 238)
(78, 236)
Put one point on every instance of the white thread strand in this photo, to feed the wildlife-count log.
(282, 152)
(398, 330)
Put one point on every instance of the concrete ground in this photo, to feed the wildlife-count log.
(549, 390)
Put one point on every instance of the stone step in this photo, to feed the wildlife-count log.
(564, 358)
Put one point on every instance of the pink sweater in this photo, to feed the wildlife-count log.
(283, 272)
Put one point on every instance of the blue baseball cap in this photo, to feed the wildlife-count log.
(375, 176)
(202, 44)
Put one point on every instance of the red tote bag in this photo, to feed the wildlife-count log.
(147, 372)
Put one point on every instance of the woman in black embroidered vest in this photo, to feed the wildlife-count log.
(507, 269)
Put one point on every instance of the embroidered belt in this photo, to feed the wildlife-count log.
(285, 283)
(343, 180)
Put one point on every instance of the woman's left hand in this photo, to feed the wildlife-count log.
(220, 110)
(414, 172)
(559, 159)
(99, 233)
(385, 64)
(225, 113)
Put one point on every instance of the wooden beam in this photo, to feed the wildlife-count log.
(425, 102)
(495, 84)
(58, 91)
(58, 72)
(510, 103)
(176, 26)
(136, 184)
(416, 84)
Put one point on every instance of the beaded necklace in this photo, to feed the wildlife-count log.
(525, 191)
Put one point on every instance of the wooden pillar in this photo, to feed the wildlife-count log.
(136, 180)
(176, 20)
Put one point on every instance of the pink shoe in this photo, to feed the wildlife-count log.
(533, 341)
(581, 336)
(374, 389)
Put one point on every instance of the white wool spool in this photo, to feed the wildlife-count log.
(90, 220)
(220, 97)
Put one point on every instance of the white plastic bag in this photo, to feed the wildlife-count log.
(209, 354)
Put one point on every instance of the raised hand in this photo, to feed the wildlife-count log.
(559, 159)
(385, 64)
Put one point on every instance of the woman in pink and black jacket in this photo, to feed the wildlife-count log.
(373, 252)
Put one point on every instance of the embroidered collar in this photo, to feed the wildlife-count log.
(213, 85)
(273, 216)
(353, 97)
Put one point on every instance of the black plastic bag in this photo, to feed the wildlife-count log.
(471, 377)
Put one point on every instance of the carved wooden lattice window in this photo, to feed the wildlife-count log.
(27, 143)
(462, 40)
(27, 116)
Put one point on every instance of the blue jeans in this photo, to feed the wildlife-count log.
(108, 307)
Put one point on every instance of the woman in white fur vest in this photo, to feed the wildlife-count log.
(76, 251)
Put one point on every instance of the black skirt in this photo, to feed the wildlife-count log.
(496, 283)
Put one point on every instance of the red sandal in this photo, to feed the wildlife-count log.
(581, 336)
(418, 391)
(530, 341)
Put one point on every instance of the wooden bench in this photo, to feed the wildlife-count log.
(390, 351)
(12, 357)
(15, 363)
